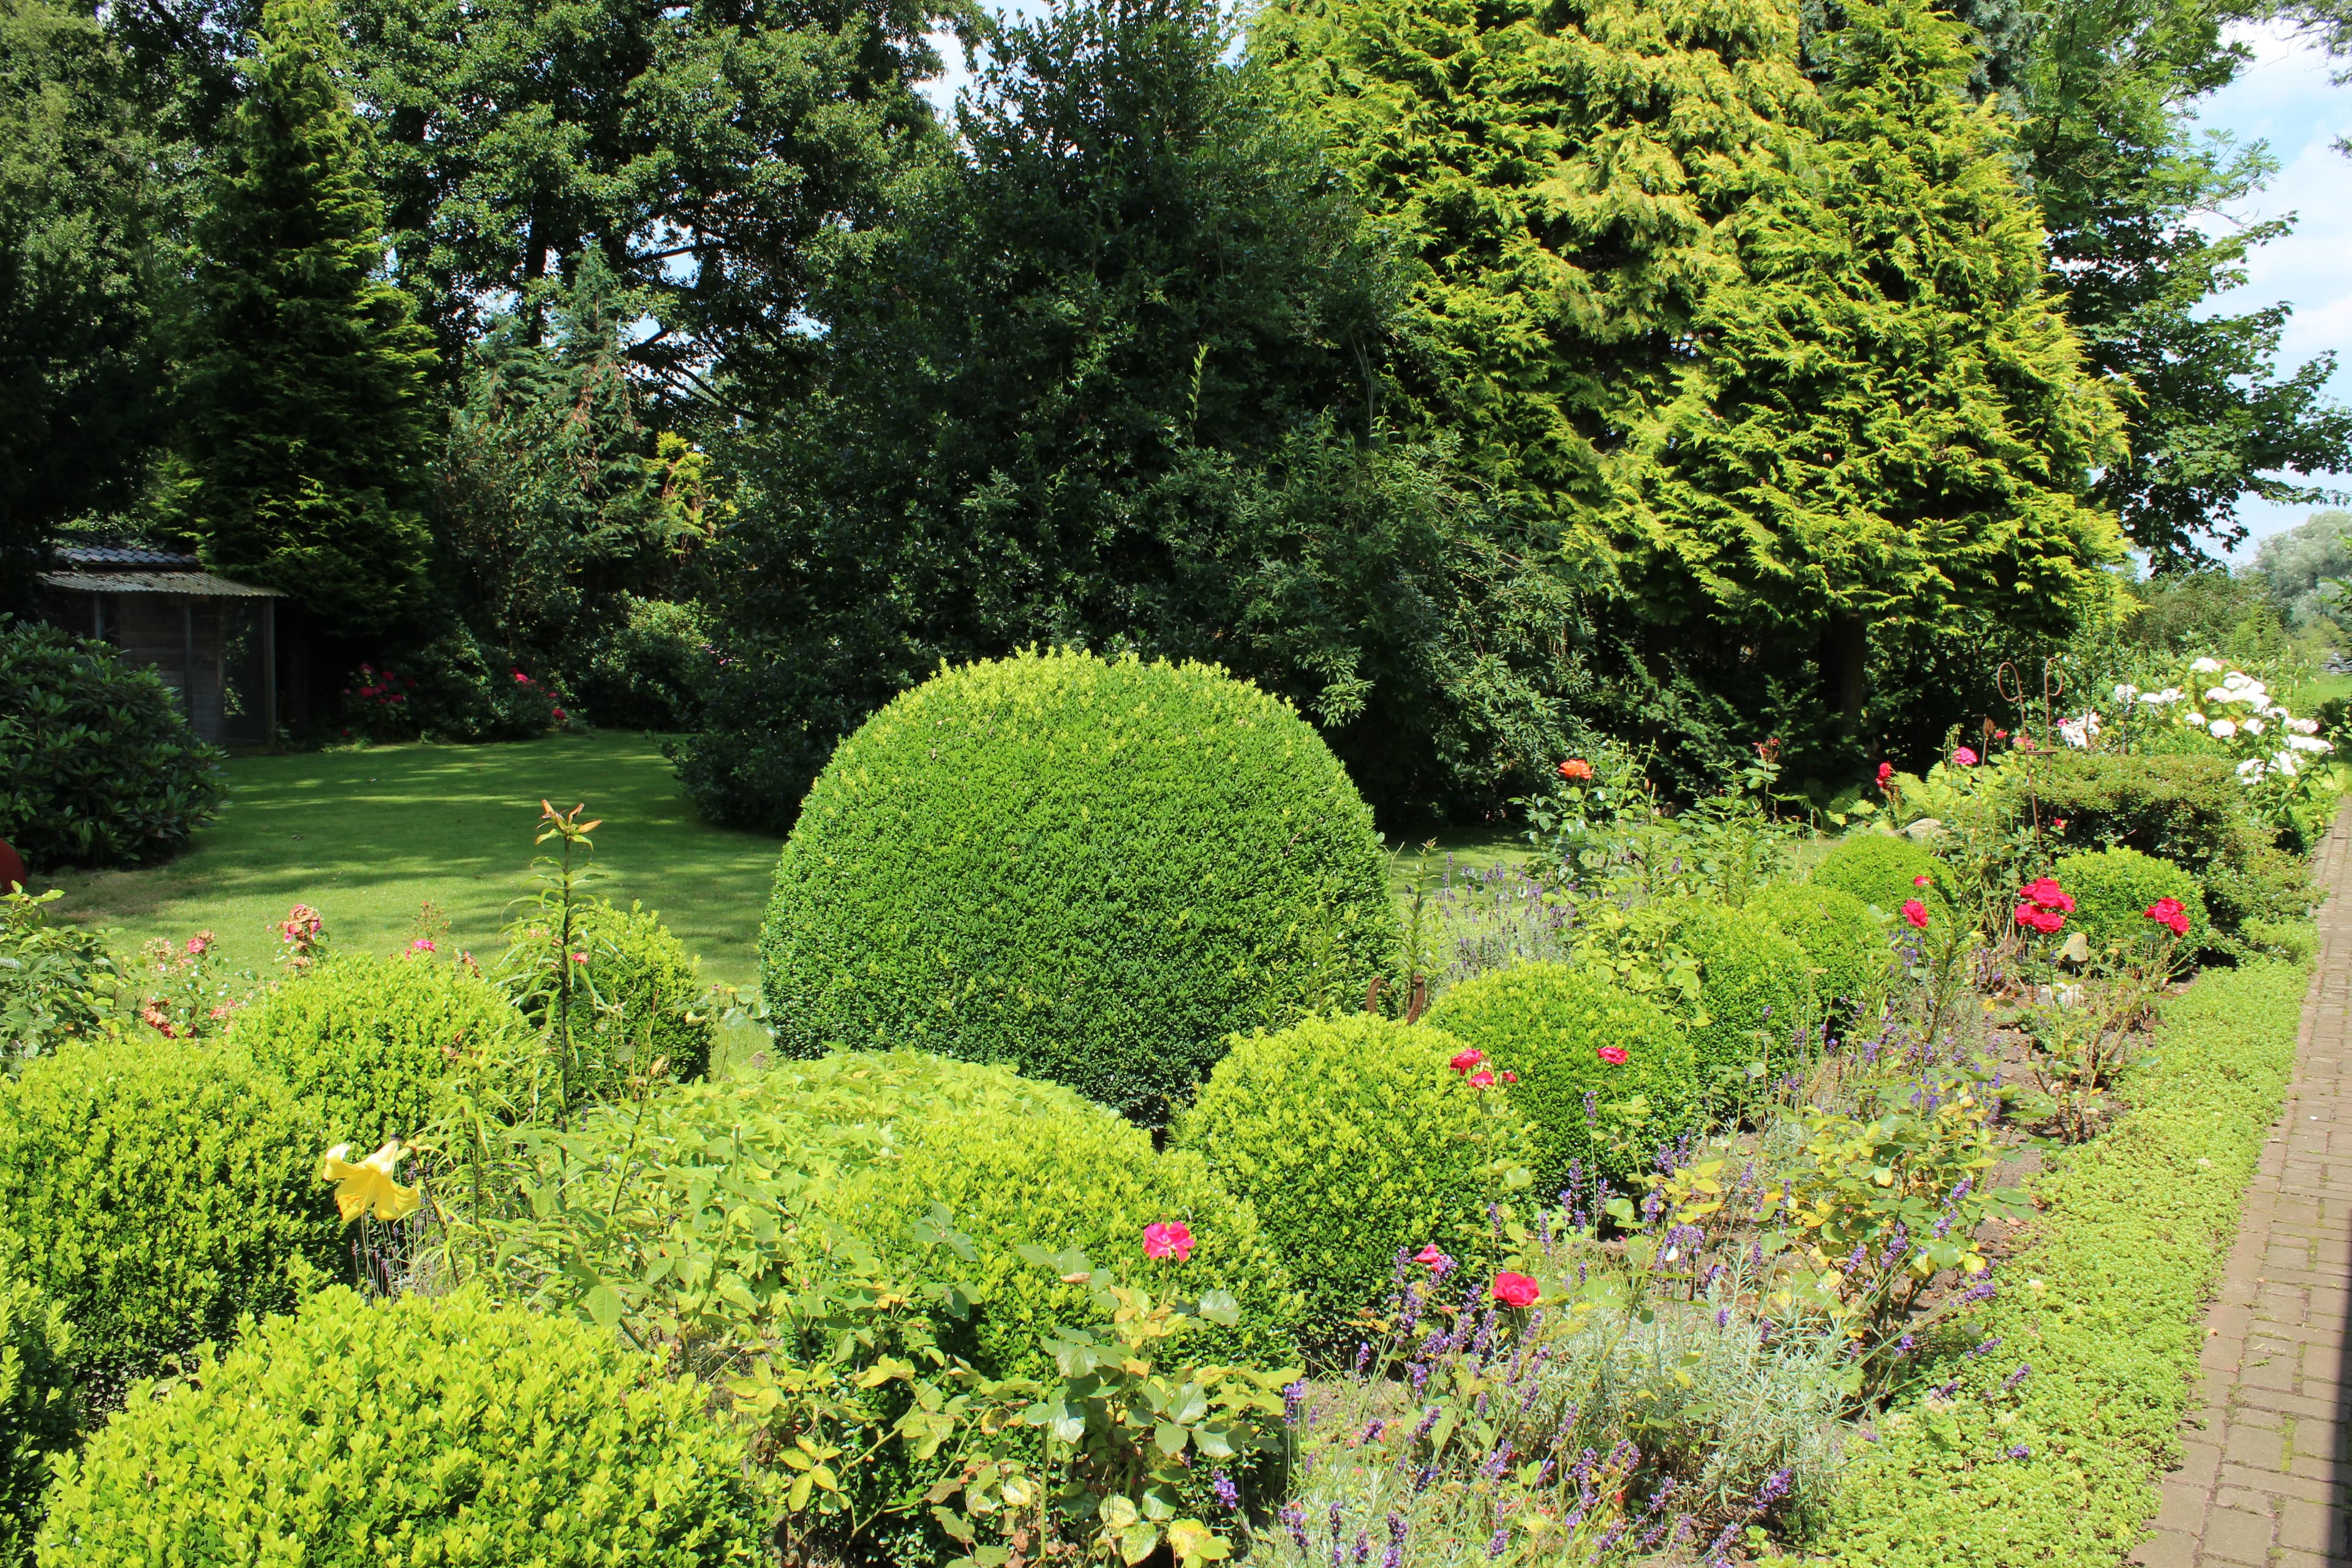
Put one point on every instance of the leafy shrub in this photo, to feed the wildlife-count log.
(372, 1040)
(447, 1431)
(653, 671)
(1354, 1140)
(1846, 946)
(58, 983)
(1095, 872)
(156, 1192)
(1753, 991)
(1011, 1175)
(639, 998)
(2113, 890)
(39, 1413)
(2292, 942)
(1547, 1023)
(2131, 1235)
(2186, 809)
(98, 765)
(1882, 870)
(452, 688)
(2268, 886)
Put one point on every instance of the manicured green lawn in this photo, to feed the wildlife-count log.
(367, 836)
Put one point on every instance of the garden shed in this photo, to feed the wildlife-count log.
(212, 640)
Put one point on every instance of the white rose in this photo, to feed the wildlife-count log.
(2250, 770)
(2307, 743)
(2304, 726)
(2221, 730)
(2206, 665)
(2251, 726)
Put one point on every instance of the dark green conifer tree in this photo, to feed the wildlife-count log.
(305, 411)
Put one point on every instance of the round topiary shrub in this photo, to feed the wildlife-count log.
(2113, 890)
(445, 1431)
(157, 1192)
(1096, 872)
(372, 1041)
(1550, 1025)
(1848, 948)
(639, 999)
(1883, 871)
(1353, 1137)
(98, 765)
(1014, 1171)
(39, 1412)
(1754, 990)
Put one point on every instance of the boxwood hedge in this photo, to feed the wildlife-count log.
(1095, 871)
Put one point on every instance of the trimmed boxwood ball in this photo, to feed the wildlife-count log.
(1548, 1022)
(40, 1413)
(446, 1431)
(2113, 889)
(1753, 987)
(369, 1039)
(1353, 1139)
(1881, 870)
(645, 1003)
(1096, 872)
(156, 1191)
(1849, 948)
(1014, 1170)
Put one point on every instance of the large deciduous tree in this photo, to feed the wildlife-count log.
(306, 403)
(1120, 375)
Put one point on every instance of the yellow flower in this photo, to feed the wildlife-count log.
(368, 1183)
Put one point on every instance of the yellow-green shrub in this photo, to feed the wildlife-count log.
(448, 1432)
(372, 1040)
(639, 999)
(2112, 892)
(1096, 872)
(1883, 871)
(1754, 992)
(1848, 948)
(1354, 1141)
(39, 1414)
(157, 1192)
(1547, 1024)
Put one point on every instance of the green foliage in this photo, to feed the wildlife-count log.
(81, 275)
(455, 687)
(1357, 1144)
(2186, 809)
(2124, 173)
(2305, 567)
(98, 765)
(639, 997)
(60, 984)
(1849, 949)
(304, 404)
(371, 1041)
(2113, 890)
(1889, 428)
(1883, 871)
(40, 1411)
(1094, 871)
(652, 671)
(2131, 1235)
(469, 1434)
(1548, 1022)
(1760, 1009)
(158, 1191)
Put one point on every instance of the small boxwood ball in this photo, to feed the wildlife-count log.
(1355, 1140)
(1849, 948)
(1561, 1029)
(2113, 888)
(1094, 871)
(1755, 994)
(373, 1041)
(157, 1192)
(1883, 871)
(639, 998)
(445, 1431)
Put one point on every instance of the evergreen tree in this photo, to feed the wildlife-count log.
(1888, 431)
(82, 277)
(305, 401)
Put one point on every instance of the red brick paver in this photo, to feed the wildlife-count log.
(2267, 1476)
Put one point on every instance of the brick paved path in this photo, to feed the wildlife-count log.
(2262, 1482)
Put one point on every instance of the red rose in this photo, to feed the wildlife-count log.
(1462, 1061)
(1613, 1055)
(1916, 912)
(1516, 1290)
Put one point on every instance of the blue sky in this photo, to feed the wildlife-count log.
(2285, 98)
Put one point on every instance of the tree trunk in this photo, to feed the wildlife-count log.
(1845, 655)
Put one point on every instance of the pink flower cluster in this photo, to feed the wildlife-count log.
(2170, 913)
(1480, 1077)
(2044, 906)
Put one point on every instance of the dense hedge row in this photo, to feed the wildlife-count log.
(2132, 1235)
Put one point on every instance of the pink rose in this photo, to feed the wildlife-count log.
(1482, 1078)
(1613, 1055)
(1172, 1239)
(1965, 757)
(1916, 912)
(2171, 914)
(1462, 1061)
(1430, 1257)
(1885, 772)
